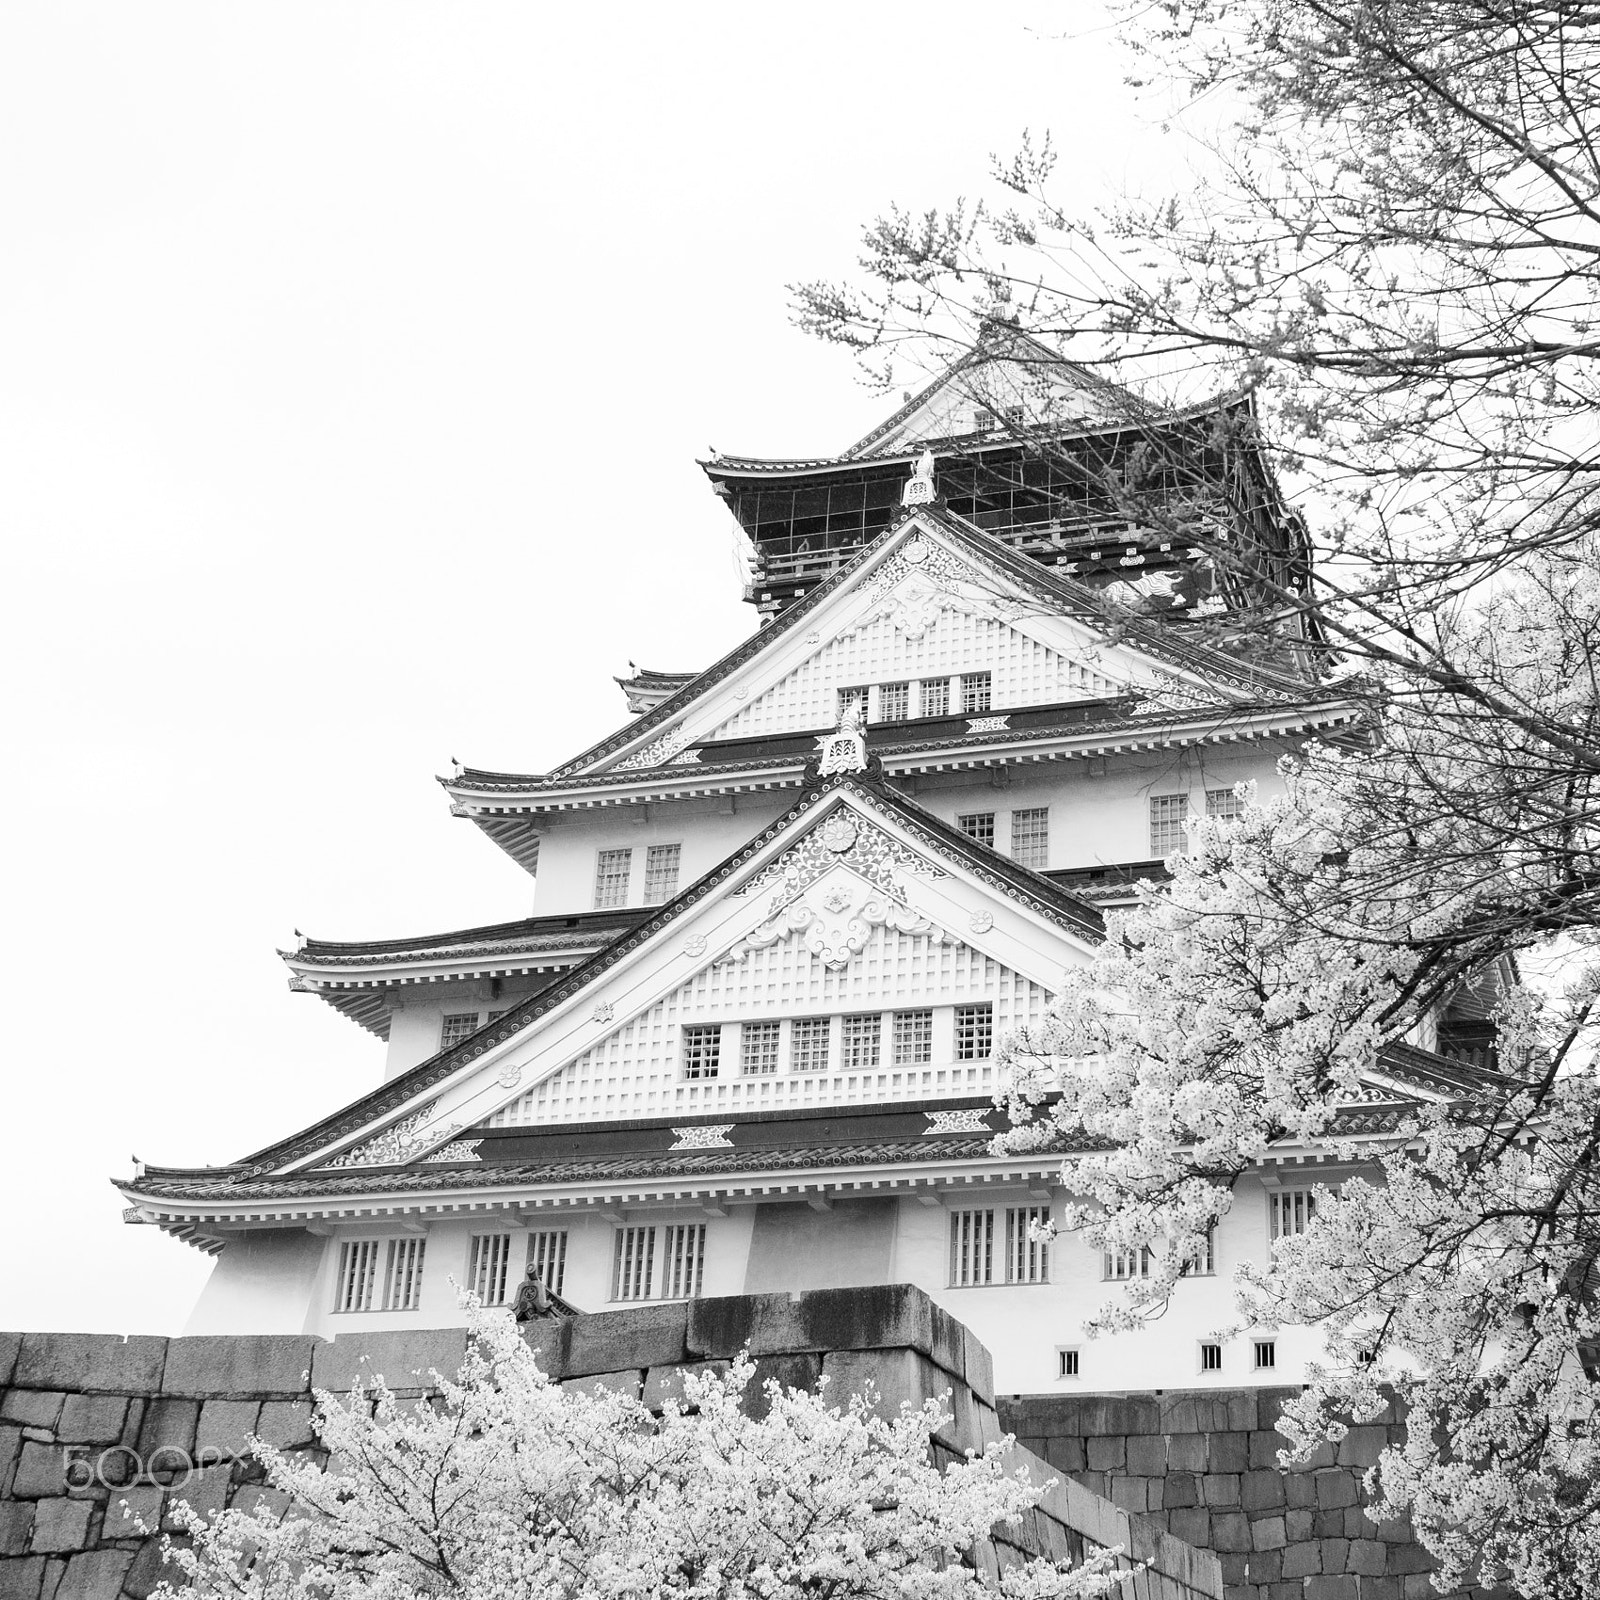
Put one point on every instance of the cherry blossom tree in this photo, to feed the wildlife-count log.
(507, 1487)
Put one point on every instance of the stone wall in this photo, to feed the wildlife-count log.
(1205, 1466)
(98, 1433)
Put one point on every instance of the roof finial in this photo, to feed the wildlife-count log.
(845, 749)
(919, 490)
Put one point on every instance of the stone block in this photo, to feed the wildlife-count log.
(1107, 1455)
(32, 1408)
(1231, 1532)
(896, 1376)
(41, 1471)
(1234, 1568)
(1417, 1586)
(1180, 1489)
(888, 1316)
(404, 1360)
(224, 1428)
(90, 1363)
(1130, 1494)
(977, 1365)
(1187, 1452)
(1243, 1413)
(255, 1499)
(1066, 1455)
(1192, 1525)
(92, 1419)
(16, 1518)
(149, 1569)
(1335, 1554)
(1179, 1413)
(205, 1493)
(169, 1424)
(1265, 1566)
(10, 1449)
(1264, 1448)
(127, 1508)
(1229, 1452)
(10, 1344)
(1340, 1587)
(238, 1366)
(1376, 1588)
(1267, 1533)
(1357, 1524)
(1367, 1557)
(1397, 1530)
(662, 1384)
(1297, 1524)
(1406, 1558)
(1300, 1491)
(1261, 1491)
(21, 1577)
(1147, 1454)
(1335, 1488)
(96, 1575)
(638, 1336)
(1302, 1560)
(1220, 1489)
(626, 1382)
(61, 1524)
(1361, 1447)
(1328, 1525)
(285, 1424)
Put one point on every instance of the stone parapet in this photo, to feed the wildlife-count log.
(100, 1436)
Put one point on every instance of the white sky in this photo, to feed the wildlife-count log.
(354, 361)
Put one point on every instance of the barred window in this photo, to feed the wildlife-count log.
(974, 691)
(356, 1287)
(402, 1289)
(974, 1032)
(456, 1026)
(1223, 803)
(1030, 837)
(1290, 1210)
(1266, 1354)
(1027, 1258)
(683, 1260)
(489, 1267)
(936, 697)
(661, 873)
(1121, 1265)
(977, 825)
(971, 1249)
(862, 1041)
(1168, 813)
(913, 1038)
(547, 1250)
(758, 1047)
(1211, 1358)
(1202, 1261)
(809, 1038)
(633, 1264)
(659, 1263)
(1066, 1362)
(702, 1049)
(611, 871)
(894, 702)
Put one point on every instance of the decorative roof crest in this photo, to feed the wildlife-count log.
(844, 837)
(919, 489)
(845, 749)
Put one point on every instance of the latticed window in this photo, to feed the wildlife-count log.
(1290, 1210)
(862, 1039)
(1066, 1362)
(808, 1044)
(659, 1263)
(1030, 837)
(974, 1032)
(974, 692)
(894, 702)
(977, 825)
(936, 697)
(1168, 813)
(456, 1026)
(489, 1267)
(661, 873)
(1027, 1258)
(402, 1279)
(547, 1250)
(913, 1038)
(1266, 1354)
(683, 1260)
(853, 702)
(1211, 1358)
(972, 1251)
(1223, 803)
(633, 1266)
(758, 1047)
(356, 1286)
(1124, 1264)
(702, 1049)
(611, 870)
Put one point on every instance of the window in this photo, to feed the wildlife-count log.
(456, 1026)
(611, 870)
(379, 1274)
(1168, 813)
(809, 1038)
(660, 873)
(974, 1032)
(1290, 1210)
(1266, 1354)
(913, 1038)
(547, 1250)
(894, 702)
(758, 1047)
(489, 1267)
(974, 692)
(978, 825)
(1211, 1358)
(702, 1049)
(982, 420)
(853, 701)
(1066, 1362)
(936, 697)
(659, 1263)
(863, 1038)
(1121, 1265)
(971, 1248)
(1030, 837)
(1223, 803)
(1027, 1258)
(1203, 1262)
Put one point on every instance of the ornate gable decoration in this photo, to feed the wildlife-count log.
(405, 1140)
(843, 837)
(660, 751)
(921, 580)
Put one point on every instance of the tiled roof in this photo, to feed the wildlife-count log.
(529, 934)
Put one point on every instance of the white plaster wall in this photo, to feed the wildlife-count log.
(261, 1283)
(417, 1013)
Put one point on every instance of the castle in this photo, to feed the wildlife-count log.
(787, 912)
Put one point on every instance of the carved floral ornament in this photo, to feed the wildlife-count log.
(836, 939)
(842, 836)
(405, 1140)
(923, 579)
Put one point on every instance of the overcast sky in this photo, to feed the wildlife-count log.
(354, 361)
